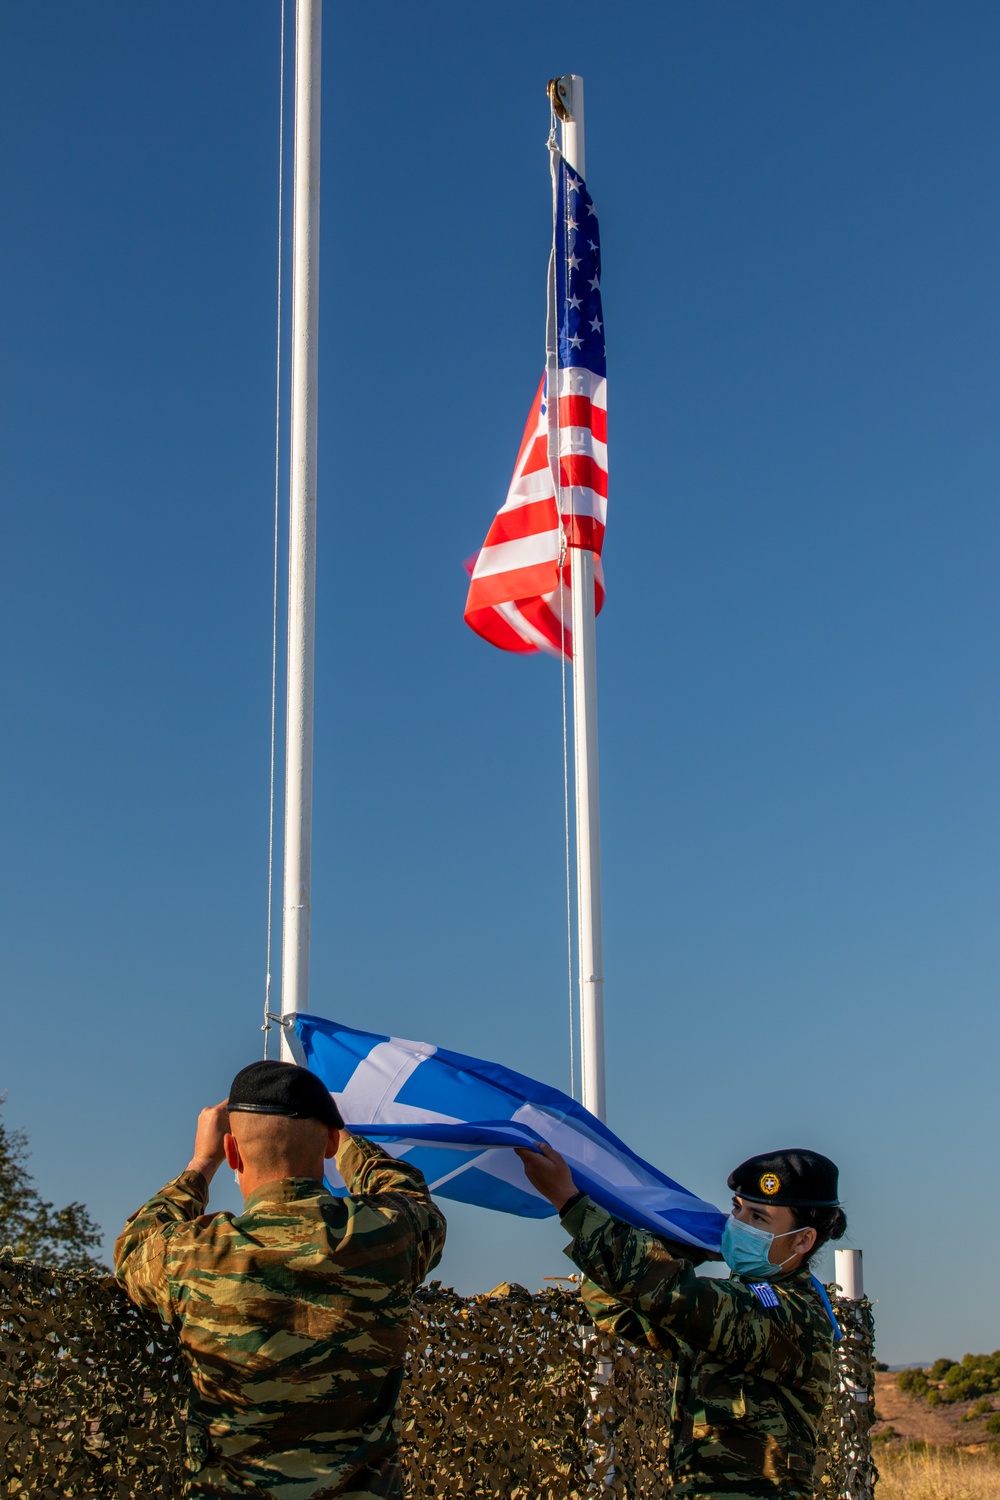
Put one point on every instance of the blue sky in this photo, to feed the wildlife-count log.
(799, 720)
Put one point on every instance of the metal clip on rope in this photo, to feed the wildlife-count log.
(285, 1022)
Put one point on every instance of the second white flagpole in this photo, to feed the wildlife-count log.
(302, 517)
(588, 810)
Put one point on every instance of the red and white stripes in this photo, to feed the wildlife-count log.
(515, 593)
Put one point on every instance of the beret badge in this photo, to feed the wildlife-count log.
(770, 1184)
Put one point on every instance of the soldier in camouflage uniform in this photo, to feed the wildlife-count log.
(293, 1315)
(753, 1353)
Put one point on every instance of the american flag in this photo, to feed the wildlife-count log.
(519, 589)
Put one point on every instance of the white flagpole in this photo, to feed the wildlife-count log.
(588, 811)
(302, 516)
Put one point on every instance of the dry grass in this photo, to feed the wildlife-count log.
(937, 1474)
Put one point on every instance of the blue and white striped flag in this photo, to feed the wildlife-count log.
(457, 1117)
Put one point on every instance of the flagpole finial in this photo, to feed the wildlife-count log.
(558, 91)
(566, 102)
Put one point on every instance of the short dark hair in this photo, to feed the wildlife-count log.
(829, 1224)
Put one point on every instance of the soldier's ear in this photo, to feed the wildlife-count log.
(810, 1236)
(332, 1143)
(232, 1151)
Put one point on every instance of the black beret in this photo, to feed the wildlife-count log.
(791, 1179)
(281, 1088)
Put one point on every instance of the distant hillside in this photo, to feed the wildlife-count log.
(904, 1417)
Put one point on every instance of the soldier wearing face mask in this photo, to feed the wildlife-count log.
(754, 1352)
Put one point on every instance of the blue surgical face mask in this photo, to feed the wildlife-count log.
(746, 1249)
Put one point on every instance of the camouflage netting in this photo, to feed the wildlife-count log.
(520, 1396)
(850, 1472)
(91, 1390)
(508, 1394)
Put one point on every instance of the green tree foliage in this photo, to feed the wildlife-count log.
(993, 1423)
(975, 1377)
(64, 1237)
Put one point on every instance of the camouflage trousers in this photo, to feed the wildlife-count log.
(213, 1474)
(746, 1494)
(221, 1482)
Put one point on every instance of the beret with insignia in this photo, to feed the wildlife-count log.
(281, 1088)
(791, 1179)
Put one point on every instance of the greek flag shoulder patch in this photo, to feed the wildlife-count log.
(764, 1292)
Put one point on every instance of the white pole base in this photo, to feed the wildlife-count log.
(849, 1274)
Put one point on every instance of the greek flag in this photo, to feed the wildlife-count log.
(457, 1117)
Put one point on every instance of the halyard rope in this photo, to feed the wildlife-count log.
(556, 465)
(569, 871)
(266, 1028)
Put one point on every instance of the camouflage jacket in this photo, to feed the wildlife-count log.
(752, 1378)
(293, 1317)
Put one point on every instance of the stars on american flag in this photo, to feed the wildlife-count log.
(578, 275)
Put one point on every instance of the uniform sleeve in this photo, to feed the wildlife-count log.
(140, 1249)
(397, 1186)
(666, 1298)
(614, 1316)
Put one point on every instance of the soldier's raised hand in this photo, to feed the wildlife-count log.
(547, 1171)
(209, 1140)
